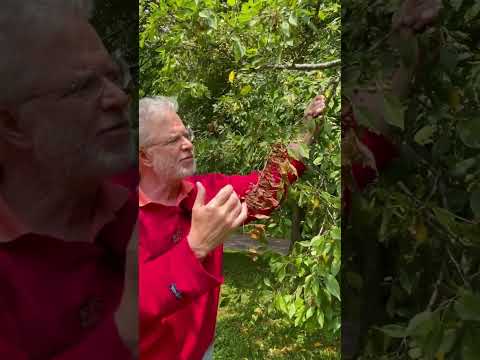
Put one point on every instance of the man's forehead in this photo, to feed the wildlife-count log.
(76, 45)
(171, 122)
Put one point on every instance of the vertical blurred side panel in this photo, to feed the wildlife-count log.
(68, 177)
(410, 174)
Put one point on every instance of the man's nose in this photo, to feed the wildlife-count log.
(114, 97)
(187, 144)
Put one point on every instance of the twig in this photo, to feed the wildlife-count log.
(457, 266)
(306, 67)
(433, 190)
(433, 298)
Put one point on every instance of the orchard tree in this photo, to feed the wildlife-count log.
(243, 73)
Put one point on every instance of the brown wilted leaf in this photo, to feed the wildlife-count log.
(268, 192)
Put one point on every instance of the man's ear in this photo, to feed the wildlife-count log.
(144, 157)
(11, 131)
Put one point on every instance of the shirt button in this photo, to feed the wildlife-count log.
(175, 291)
(90, 312)
(176, 236)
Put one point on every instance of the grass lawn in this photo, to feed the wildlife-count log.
(240, 337)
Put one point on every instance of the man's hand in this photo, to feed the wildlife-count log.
(316, 107)
(213, 222)
(416, 14)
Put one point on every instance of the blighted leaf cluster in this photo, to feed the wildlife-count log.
(270, 189)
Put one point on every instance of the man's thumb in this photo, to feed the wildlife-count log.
(200, 199)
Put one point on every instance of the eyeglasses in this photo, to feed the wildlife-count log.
(176, 140)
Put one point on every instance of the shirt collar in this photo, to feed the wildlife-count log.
(10, 227)
(110, 199)
(144, 199)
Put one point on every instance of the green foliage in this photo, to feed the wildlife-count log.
(247, 330)
(424, 209)
(218, 58)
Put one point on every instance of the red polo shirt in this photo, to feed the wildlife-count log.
(178, 293)
(58, 298)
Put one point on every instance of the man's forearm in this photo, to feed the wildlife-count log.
(311, 126)
(402, 77)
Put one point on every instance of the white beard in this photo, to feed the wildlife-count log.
(83, 162)
(167, 168)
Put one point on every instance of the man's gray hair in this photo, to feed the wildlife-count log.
(152, 109)
(22, 25)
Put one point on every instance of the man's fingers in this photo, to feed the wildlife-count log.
(232, 202)
(222, 196)
(242, 217)
(316, 106)
(317, 109)
(234, 214)
(200, 199)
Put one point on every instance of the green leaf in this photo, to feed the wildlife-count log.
(424, 135)
(332, 286)
(304, 151)
(393, 330)
(441, 146)
(293, 20)
(336, 233)
(405, 281)
(444, 217)
(394, 111)
(247, 89)
(460, 169)
(291, 310)
(309, 313)
(238, 48)
(468, 307)
(469, 132)
(231, 2)
(475, 202)
(320, 318)
(470, 344)
(281, 304)
(318, 160)
(456, 4)
(212, 22)
(285, 28)
(421, 324)
(415, 353)
(205, 13)
(448, 340)
(335, 268)
(472, 13)
(366, 118)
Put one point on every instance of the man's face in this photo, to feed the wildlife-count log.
(75, 116)
(171, 153)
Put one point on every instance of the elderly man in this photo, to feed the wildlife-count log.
(184, 220)
(64, 227)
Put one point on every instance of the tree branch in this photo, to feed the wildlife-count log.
(437, 284)
(306, 67)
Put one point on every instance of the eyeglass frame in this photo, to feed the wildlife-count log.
(190, 137)
(81, 83)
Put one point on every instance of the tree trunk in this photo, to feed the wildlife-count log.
(298, 215)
